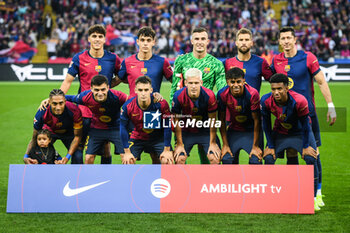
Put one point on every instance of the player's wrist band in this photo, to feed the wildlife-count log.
(331, 105)
(68, 156)
(26, 156)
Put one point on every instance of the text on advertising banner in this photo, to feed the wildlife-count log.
(161, 189)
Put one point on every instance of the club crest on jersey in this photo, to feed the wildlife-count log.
(207, 70)
(144, 70)
(290, 83)
(238, 108)
(282, 117)
(98, 68)
(194, 109)
(287, 68)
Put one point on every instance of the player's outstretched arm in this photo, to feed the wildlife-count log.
(67, 82)
(326, 92)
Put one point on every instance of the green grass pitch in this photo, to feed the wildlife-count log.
(18, 105)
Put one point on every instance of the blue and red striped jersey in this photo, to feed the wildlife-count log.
(198, 109)
(239, 109)
(255, 68)
(86, 67)
(131, 111)
(155, 68)
(105, 115)
(300, 70)
(287, 116)
(65, 123)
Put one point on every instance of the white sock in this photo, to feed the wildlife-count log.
(319, 192)
(314, 198)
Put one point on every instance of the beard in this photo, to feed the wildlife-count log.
(244, 51)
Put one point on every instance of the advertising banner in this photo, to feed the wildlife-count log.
(161, 188)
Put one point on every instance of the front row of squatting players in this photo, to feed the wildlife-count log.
(195, 115)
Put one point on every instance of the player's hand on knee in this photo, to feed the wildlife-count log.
(44, 104)
(309, 151)
(128, 158)
(179, 152)
(225, 150)
(157, 97)
(257, 152)
(214, 153)
(166, 157)
(269, 151)
(181, 159)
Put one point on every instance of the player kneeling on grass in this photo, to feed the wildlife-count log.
(105, 105)
(242, 103)
(43, 152)
(193, 105)
(148, 119)
(292, 128)
(63, 119)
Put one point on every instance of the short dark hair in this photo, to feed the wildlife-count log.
(46, 132)
(235, 73)
(199, 30)
(287, 29)
(279, 78)
(143, 79)
(244, 31)
(56, 92)
(98, 80)
(98, 28)
(147, 32)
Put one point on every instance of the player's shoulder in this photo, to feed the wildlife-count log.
(210, 57)
(130, 101)
(178, 92)
(110, 55)
(299, 98)
(164, 103)
(71, 106)
(251, 89)
(257, 58)
(279, 57)
(183, 57)
(266, 97)
(158, 58)
(207, 91)
(117, 93)
(131, 58)
(223, 90)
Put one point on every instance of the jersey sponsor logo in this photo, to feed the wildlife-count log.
(86, 64)
(105, 119)
(279, 63)
(160, 188)
(98, 68)
(102, 109)
(135, 114)
(59, 124)
(290, 83)
(286, 125)
(241, 118)
(151, 120)
(207, 70)
(60, 131)
(144, 70)
(287, 68)
(69, 192)
(132, 67)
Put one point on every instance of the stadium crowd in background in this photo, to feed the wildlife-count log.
(316, 23)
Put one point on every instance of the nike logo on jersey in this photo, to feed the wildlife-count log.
(68, 192)
(86, 64)
(279, 63)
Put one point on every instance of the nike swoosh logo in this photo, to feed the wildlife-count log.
(68, 192)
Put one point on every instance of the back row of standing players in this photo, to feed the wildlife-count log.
(300, 67)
